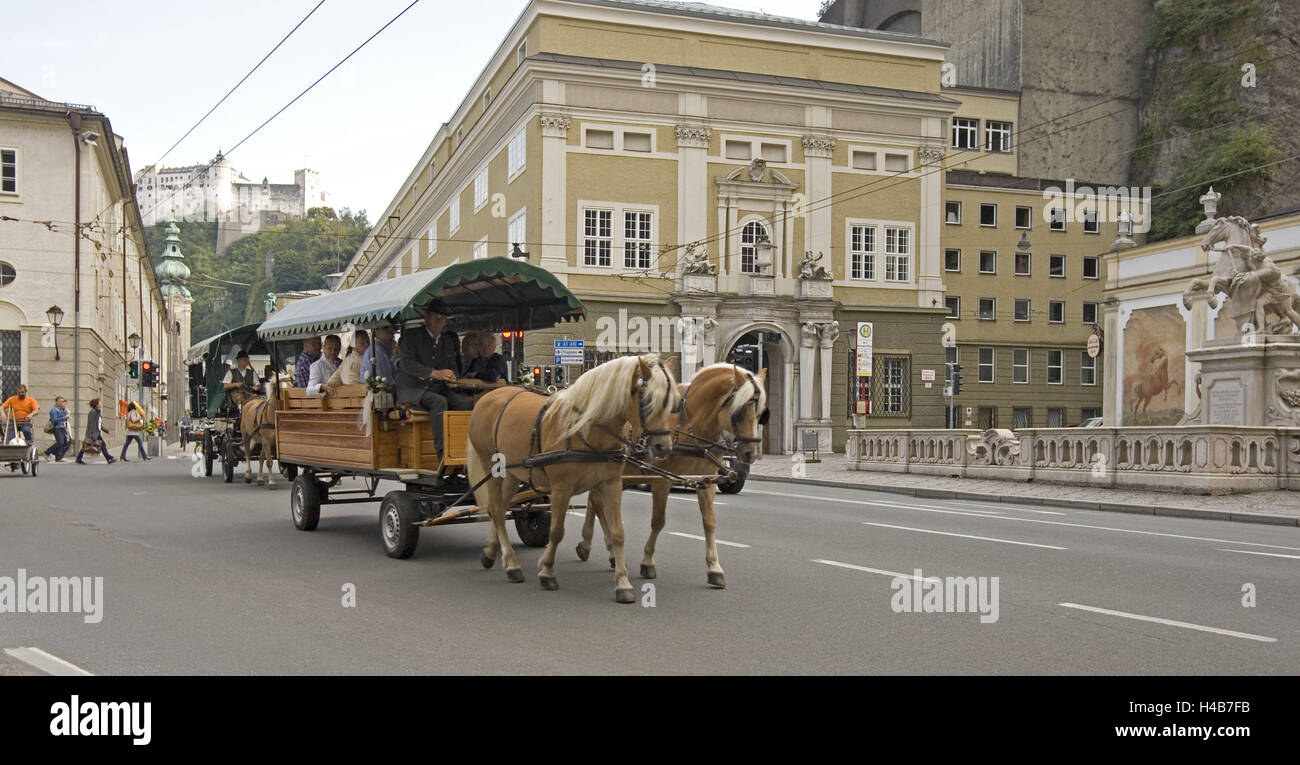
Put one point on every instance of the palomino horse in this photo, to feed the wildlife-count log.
(510, 427)
(257, 425)
(716, 412)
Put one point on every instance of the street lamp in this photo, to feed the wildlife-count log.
(134, 342)
(1124, 229)
(1023, 245)
(55, 315)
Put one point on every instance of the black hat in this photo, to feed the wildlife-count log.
(436, 305)
(241, 355)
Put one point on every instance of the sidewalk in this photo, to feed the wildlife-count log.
(1280, 508)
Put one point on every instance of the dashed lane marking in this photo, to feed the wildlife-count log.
(1170, 622)
(718, 541)
(47, 662)
(963, 536)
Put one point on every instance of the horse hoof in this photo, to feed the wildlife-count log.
(271, 486)
(647, 572)
(625, 596)
(487, 562)
(583, 552)
(515, 575)
(549, 583)
(611, 563)
(248, 479)
(716, 579)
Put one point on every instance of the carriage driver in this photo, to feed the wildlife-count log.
(241, 375)
(428, 363)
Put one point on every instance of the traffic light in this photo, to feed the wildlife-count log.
(134, 370)
(537, 375)
(148, 374)
(954, 377)
(559, 375)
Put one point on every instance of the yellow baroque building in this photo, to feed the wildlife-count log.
(724, 185)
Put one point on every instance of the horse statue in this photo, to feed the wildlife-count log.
(1254, 284)
(722, 410)
(633, 390)
(257, 427)
(1152, 383)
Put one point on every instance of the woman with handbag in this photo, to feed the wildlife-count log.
(58, 427)
(134, 430)
(93, 440)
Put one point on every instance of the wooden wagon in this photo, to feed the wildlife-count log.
(361, 433)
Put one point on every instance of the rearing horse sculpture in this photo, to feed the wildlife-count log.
(1240, 238)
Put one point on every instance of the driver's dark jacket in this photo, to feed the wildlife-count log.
(421, 354)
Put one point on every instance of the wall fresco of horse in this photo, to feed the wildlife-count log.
(1155, 353)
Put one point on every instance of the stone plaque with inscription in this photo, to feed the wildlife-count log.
(1227, 403)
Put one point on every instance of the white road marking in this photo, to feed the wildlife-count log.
(1008, 506)
(880, 571)
(1054, 523)
(47, 662)
(875, 503)
(718, 541)
(580, 515)
(964, 536)
(1171, 622)
(1254, 552)
(693, 500)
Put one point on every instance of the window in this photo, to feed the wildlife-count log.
(1090, 313)
(453, 216)
(8, 174)
(986, 365)
(1056, 311)
(1088, 370)
(864, 160)
(600, 139)
(988, 309)
(965, 133)
(1090, 225)
(988, 262)
(480, 189)
(953, 302)
(1022, 263)
(898, 163)
(597, 237)
(1022, 312)
(740, 150)
(1056, 219)
(517, 232)
(997, 136)
(1024, 216)
(1056, 266)
(480, 249)
(11, 351)
(1087, 413)
(1091, 267)
(1020, 365)
(988, 214)
(952, 212)
(1056, 417)
(952, 260)
(1055, 374)
(987, 417)
(773, 152)
(862, 252)
(1022, 417)
(636, 240)
(637, 142)
(897, 257)
(7, 276)
(521, 52)
(893, 385)
(750, 235)
(517, 154)
(433, 238)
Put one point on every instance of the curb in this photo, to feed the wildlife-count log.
(1105, 507)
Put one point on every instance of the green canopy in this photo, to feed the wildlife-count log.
(484, 294)
(211, 352)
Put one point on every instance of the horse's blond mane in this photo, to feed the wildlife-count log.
(745, 392)
(601, 394)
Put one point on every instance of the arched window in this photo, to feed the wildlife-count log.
(7, 274)
(750, 236)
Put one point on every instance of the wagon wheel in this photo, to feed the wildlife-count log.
(209, 454)
(228, 461)
(35, 462)
(305, 501)
(398, 515)
(533, 527)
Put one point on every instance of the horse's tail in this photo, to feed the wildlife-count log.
(477, 468)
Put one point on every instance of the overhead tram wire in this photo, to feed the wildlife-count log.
(292, 101)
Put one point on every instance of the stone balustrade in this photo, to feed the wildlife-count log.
(1199, 459)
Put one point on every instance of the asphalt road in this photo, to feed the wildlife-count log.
(202, 577)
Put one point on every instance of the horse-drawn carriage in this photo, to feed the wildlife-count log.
(216, 422)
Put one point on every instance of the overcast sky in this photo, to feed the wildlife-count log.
(155, 66)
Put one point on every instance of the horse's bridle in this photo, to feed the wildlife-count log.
(706, 448)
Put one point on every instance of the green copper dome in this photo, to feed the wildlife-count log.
(172, 271)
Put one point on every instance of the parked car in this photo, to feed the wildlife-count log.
(1091, 422)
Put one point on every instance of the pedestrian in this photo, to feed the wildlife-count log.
(59, 428)
(311, 352)
(184, 423)
(18, 410)
(134, 429)
(93, 440)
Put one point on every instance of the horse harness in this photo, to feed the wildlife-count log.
(707, 449)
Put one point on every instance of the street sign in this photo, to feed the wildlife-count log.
(927, 375)
(1094, 346)
(947, 390)
(865, 338)
(569, 352)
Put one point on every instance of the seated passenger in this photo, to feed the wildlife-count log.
(428, 364)
(488, 366)
(380, 359)
(468, 352)
(302, 369)
(349, 371)
(324, 367)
